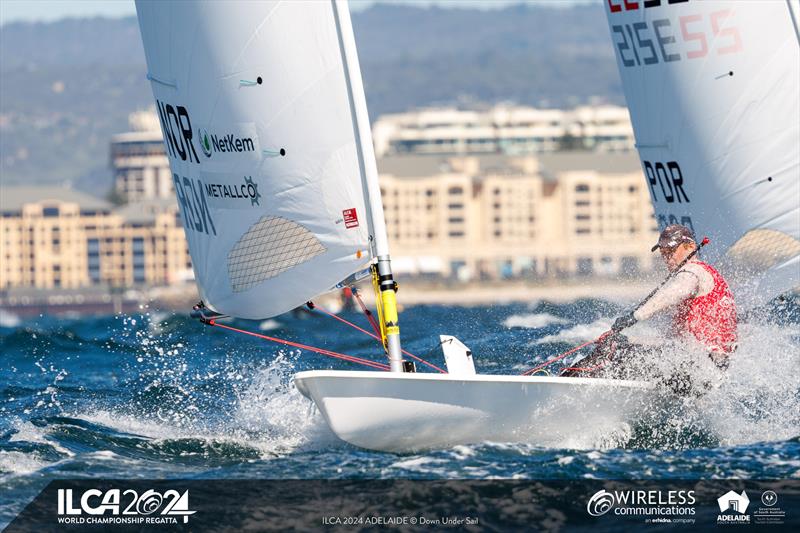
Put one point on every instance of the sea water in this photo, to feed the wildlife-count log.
(158, 395)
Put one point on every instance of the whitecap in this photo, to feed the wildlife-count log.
(533, 320)
(269, 325)
(578, 333)
(9, 319)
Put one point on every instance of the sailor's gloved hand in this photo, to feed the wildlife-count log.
(623, 322)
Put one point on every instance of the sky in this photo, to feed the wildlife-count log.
(50, 10)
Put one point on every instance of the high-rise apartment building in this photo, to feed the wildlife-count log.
(139, 161)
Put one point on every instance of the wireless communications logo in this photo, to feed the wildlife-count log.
(600, 503)
(654, 506)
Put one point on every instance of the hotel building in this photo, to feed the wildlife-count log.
(464, 199)
(53, 238)
(503, 129)
(496, 217)
(462, 218)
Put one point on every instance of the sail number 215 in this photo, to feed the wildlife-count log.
(664, 40)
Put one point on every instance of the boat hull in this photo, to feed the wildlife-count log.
(411, 412)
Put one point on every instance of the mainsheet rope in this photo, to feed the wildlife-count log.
(567, 353)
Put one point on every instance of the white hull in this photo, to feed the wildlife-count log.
(409, 412)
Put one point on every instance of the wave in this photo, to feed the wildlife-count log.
(9, 319)
(269, 325)
(578, 333)
(533, 321)
(160, 395)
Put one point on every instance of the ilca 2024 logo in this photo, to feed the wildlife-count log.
(116, 506)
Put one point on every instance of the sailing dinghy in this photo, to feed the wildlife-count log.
(265, 124)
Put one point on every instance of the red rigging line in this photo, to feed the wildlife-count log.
(565, 354)
(344, 357)
(362, 330)
(375, 327)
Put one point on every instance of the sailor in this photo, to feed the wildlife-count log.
(703, 305)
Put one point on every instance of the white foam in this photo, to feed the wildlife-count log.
(532, 320)
(13, 463)
(9, 319)
(24, 431)
(270, 416)
(418, 463)
(759, 399)
(578, 333)
(269, 325)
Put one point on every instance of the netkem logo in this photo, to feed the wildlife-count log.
(115, 506)
(226, 143)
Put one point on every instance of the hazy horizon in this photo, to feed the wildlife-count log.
(45, 11)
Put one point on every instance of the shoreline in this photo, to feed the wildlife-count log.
(410, 294)
(520, 293)
(181, 298)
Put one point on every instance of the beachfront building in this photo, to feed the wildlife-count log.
(504, 129)
(52, 238)
(462, 218)
(499, 217)
(139, 161)
(141, 168)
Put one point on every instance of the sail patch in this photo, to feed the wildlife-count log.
(270, 247)
(350, 218)
(229, 142)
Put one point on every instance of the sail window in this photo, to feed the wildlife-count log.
(761, 249)
(270, 247)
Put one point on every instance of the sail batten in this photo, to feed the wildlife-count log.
(263, 150)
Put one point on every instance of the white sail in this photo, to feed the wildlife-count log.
(713, 89)
(258, 121)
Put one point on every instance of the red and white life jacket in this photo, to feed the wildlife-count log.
(710, 318)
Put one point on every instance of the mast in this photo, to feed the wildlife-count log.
(370, 174)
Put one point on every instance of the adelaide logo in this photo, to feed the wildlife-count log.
(733, 508)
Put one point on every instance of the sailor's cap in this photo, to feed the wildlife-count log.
(673, 236)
